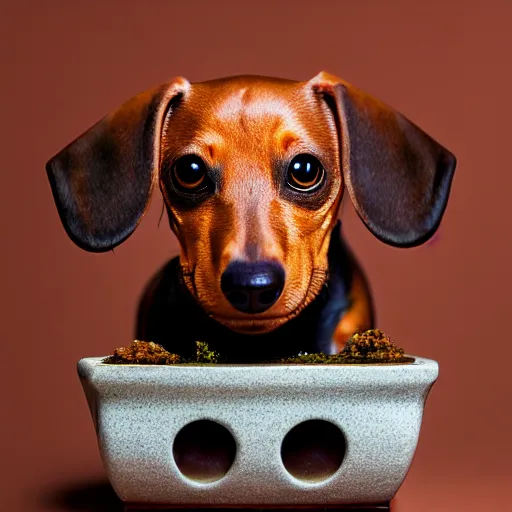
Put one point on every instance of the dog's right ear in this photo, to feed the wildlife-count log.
(102, 181)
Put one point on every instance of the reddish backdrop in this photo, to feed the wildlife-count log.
(446, 65)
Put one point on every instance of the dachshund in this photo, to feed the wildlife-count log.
(252, 170)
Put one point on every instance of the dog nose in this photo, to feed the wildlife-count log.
(252, 287)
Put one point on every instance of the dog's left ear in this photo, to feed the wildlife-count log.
(397, 176)
(102, 181)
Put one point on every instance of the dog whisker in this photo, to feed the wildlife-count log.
(161, 215)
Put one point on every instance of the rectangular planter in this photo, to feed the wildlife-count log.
(355, 430)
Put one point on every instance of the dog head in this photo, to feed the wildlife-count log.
(252, 171)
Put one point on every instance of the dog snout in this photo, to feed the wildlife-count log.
(253, 287)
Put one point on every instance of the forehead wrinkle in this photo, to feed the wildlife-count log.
(251, 117)
(262, 134)
(252, 103)
(250, 123)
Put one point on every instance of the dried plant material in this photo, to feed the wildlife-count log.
(373, 345)
(369, 347)
(142, 352)
(147, 352)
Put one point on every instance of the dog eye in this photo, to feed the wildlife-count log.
(305, 173)
(189, 173)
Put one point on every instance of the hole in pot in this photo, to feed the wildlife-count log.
(204, 451)
(313, 450)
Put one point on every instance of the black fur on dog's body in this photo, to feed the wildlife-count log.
(170, 316)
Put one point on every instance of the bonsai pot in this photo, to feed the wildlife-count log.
(257, 435)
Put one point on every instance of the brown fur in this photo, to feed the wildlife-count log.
(247, 129)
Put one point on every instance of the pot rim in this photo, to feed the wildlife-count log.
(417, 361)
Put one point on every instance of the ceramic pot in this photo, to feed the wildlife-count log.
(257, 435)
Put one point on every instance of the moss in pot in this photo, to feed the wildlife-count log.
(369, 347)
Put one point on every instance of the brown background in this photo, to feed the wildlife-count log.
(446, 65)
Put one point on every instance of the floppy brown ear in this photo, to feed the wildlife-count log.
(397, 176)
(102, 181)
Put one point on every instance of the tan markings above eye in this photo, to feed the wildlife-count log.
(287, 140)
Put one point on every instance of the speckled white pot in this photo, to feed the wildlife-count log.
(139, 410)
